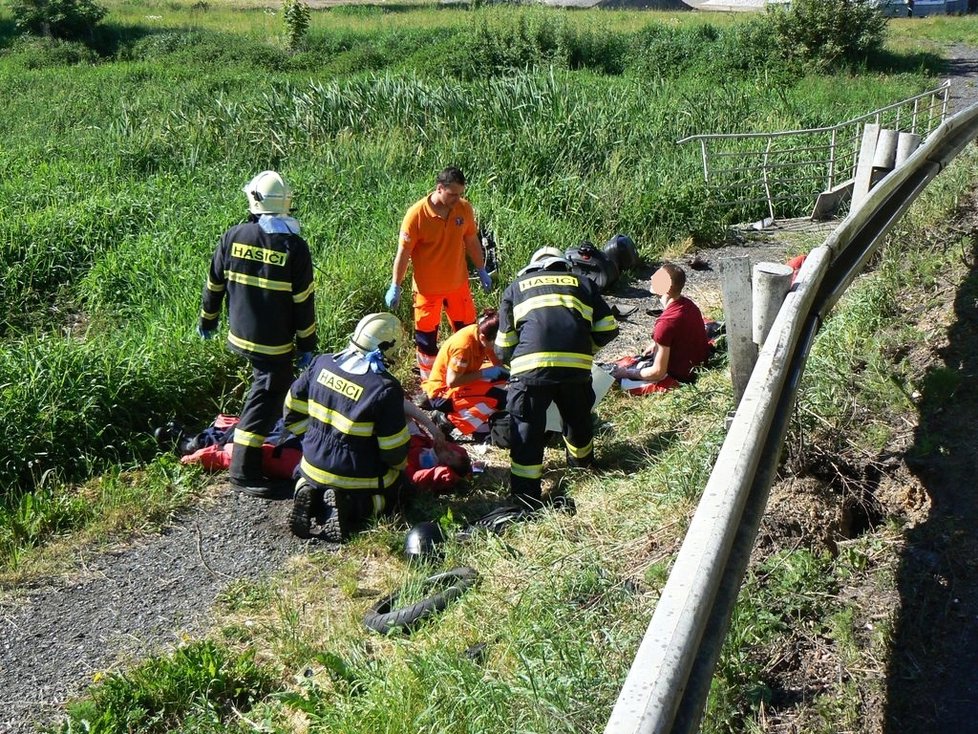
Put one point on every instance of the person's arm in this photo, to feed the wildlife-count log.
(401, 261)
(473, 248)
(660, 365)
(414, 413)
(506, 337)
(214, 290)
(303, 299)
(457, 379)
(295, 411)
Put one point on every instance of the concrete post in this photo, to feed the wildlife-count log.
(772, 281)
(864, 168)
(736, 291)
(907, 143)
(886, 148)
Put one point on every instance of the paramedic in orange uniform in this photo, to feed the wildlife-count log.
(467, 383)
(436, 235)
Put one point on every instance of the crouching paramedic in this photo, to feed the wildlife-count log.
(349, 411)
(264, 268)
(551, 322)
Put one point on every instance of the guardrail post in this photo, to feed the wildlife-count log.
(864, 169)
(736, 291)
(907, 143)
(772, 281)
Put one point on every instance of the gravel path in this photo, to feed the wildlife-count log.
(137, 600)
(131, 602)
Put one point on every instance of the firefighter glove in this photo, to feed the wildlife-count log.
(205, 333)
(304, 360)
(485, 279)
(393, 296)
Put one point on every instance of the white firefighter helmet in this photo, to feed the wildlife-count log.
(268, 193)
(378, 331)
(545, 253)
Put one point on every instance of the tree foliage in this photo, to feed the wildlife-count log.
(64, 19)
(829, 32)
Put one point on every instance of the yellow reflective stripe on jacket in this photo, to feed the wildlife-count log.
(304, 296)
(579, 452)
(293, 403)
(339, 481)
(550, 300)
(527, 362)
(247, 438)
(400, 438)
(506, 339)
(608, 323)
(339, 421)
(301, 333)
(253, 280)
(531, 471)
(299, 427)
(215, 287)
(259, 348)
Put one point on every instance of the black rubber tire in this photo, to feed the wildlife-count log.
(384, 617)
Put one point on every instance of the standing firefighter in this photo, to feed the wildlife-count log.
(551, 322)
(349, 411)
(436, 234)
(264, 267)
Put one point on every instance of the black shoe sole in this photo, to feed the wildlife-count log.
(299, 518)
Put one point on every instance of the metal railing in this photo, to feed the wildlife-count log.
(787, 170)
(667, 685)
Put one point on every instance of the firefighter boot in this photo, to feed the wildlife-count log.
(245, 472)
(307, 504)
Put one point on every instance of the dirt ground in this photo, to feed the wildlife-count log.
(140, 598)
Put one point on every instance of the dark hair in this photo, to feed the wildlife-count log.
(489, 324)
(451, 175)
(677, 275)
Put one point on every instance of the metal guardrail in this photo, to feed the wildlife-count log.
(788, 169)
(666, 688)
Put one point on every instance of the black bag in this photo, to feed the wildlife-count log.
(499, 429)
(590, 262)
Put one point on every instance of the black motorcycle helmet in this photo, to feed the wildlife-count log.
(621, 250)
(422, 541)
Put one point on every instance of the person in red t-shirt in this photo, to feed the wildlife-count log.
(679, 341)
(437, 233)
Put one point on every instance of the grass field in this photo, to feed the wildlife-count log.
(123, 162)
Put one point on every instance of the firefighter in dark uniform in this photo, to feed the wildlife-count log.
(349, 411)
(551, 322)
(265, 269)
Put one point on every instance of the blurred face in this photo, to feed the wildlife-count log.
(447, 195)
(661, 285)
(449, 458)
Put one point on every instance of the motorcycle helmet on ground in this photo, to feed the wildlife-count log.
(422, 541)
(621, 250)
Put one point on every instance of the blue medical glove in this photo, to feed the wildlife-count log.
(493, 373)
(485, 279)
(205, 333)
(393, 296)
(304, 360)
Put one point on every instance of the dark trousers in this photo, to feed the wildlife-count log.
(270, 383)
(527, 406)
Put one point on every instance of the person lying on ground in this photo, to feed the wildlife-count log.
(679, 339)
(467, 382)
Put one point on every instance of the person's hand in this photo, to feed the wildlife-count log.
(205, 333)
(393, 296)
(485, 279)
(492, 373)
(304, 360)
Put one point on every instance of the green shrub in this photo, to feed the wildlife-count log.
(827, 33)
(65, 19)
(33, 52)
(295, 15)
(201, 687)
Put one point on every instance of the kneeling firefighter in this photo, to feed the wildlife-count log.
(551, 321)
(349, 411)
